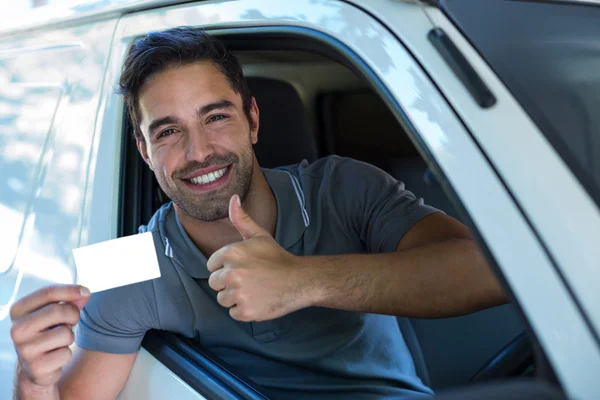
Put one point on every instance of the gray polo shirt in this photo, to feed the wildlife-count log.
(333, 206)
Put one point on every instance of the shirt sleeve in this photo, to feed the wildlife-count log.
(116, 320)
(379, 207)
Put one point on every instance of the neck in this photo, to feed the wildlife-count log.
(260, 205)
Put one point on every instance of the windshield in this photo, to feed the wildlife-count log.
(548, 55)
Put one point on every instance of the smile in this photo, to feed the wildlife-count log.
(208, 178)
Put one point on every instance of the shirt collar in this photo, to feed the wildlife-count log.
(292, 217)
(292, 221)
(180, 248)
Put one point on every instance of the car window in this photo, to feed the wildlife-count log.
(26, 114)
(547, 55)
(339, 111)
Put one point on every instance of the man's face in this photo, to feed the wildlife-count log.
(198, 140)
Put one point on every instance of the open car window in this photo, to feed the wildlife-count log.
(337, 112)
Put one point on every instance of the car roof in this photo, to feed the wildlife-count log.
(75, 12)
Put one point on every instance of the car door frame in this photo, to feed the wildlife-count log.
(503, 133)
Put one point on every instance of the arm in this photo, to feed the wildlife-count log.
(90, 368)
(81, 377)
(437, 271)
(49, 367)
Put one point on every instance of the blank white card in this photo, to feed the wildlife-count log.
(117, 262)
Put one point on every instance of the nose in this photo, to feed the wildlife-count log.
(198, 147)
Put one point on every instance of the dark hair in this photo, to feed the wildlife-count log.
(176, 47)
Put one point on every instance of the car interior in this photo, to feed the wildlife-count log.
(314, 104)
(336, 113)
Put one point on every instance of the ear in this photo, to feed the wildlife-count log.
(254, 113)
(141, 145)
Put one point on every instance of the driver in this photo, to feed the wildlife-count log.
(293, 275)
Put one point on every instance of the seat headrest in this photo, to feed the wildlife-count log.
(284, 136)
(360, 125)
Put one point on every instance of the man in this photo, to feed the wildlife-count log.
(291, 275)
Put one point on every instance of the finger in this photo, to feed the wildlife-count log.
(44, 318)
(50, 362)
(236, 313)
(52, 339)
(242, 221)
(216, 261)
(216, 281)
(80, 303)
(226, 298)
(48, 379)
(47, 295)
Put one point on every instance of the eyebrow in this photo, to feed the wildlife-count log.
(214, 106)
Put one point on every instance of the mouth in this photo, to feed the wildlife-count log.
(209, 181)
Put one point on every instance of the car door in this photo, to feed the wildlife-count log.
(385, 43)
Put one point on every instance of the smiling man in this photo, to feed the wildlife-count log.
(292, 275)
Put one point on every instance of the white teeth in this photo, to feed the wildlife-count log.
(210, 177)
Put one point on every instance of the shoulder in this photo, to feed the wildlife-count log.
(130, 308)
(341, 175)
(334, 167)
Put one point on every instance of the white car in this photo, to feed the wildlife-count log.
(490, 110)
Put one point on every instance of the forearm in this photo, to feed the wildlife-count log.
(27, 390)
(443, 279)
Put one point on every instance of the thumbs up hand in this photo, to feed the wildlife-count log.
(256, 278)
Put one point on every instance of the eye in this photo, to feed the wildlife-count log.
(217, 117)
(166, 132)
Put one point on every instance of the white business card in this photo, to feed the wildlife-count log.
(117, 262)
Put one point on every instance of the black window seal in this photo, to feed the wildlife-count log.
(199, 368)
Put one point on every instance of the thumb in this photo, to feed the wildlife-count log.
(80, 303)
(242, 221)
